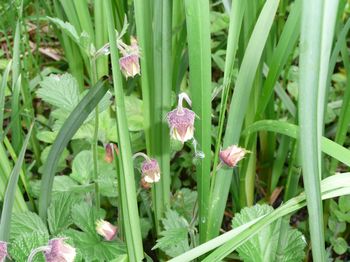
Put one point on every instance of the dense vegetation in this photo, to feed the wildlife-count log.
(185, 130)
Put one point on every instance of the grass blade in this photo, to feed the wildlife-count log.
(331, 187)
(126, 170)
(198, 35)
(71, 125)
(329, 147)
(9, 198)
(238, 108)
(162, 103)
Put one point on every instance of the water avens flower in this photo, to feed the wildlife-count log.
(129, 62)
(232, 155)
(59, 251)
(106, 229)
(181, 120)
(109, 152)
(56, 251)
(149, 169)
(3, 251)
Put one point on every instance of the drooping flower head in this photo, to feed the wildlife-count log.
(181, 121)
(109, 152)
(3, 251)
(59, 251)
(106, 229)
(150, 171)
(129, 62)
(232, 155)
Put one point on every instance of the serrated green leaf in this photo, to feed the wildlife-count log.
(95, 249)
(184, 201)
(60, 91)
(21, 247)
(59, 212)
(85, 216)
(26, 223)
(62, 161)
(263, 246)
(175, 236)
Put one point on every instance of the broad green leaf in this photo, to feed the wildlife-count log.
(184, 201)
(85, 216)
(340, 246)
(134, 113)
(61, 184)
(174, 240)
(22, 246)
(60, 91)
(95, 249)
(336, 226)
(67, 28)
(82, 167)
(263, 246)
(62, 161)
(59, 213)
(26, 223)
(344, 203)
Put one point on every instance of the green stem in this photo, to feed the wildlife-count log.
(95, 137)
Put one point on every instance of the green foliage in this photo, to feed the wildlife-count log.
(59, 213)
(174, 240)
(26, 223)
(22, 246)
(263, 246)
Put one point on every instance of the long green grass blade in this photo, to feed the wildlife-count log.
(10, 194)
(310, 136)
(327, 146)
(71, 125)
(2, 96)
(126, 170)
(16, 90)
(198, 35)
(162, 103)
(331, 187)
(238, 108)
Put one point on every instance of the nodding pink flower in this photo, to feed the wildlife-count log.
(232, 155)
(3, 251)
(150, 171)
(129, 62)
(109, 152)
(106, 229)
(181, 121)
(59, 251)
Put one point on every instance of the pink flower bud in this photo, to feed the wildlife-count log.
(232, 155)
(130, 65)
(106, 229)
(150, 171)
(109, 152)
(129, 62)
(181, 124)
(3, 251)
(59, 251)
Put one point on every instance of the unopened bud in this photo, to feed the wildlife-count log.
(109, 152)
(106, 229)
(232, 155)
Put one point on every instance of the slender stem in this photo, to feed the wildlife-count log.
(95, 137)
(142, 155)
(36, 251)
